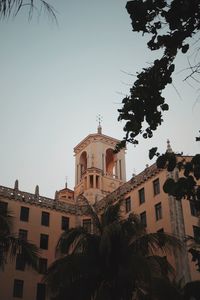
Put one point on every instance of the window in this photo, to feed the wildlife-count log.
(87, 225)
(41, 291)
(44, 238)
(193, 209)
(18, 288)
(156, 186)
(24, 214)
(141, 196)
(128, 204)
(161, 230)
(158, 211)
(196, 231)
(42, 265)
(143, 218)
(20, 263)
(23, 234)
(45, 218)
(64, 223)
(3, 207)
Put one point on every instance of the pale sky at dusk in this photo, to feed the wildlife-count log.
(54, 80)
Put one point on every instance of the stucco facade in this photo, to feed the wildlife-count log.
(100, 178)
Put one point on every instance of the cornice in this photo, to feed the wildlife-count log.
(91, 138)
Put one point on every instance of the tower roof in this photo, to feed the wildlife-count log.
(94, 138)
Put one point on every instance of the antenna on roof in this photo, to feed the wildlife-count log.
(99, 120)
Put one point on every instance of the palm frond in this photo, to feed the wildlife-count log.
(11, 245)
(111, 214)
(74, 275)
(12, 7)
(152, 242)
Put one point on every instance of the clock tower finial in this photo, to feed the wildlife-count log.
(99, 120)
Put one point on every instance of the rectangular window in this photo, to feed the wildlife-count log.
(87, 225)
(141, 196)
(156, 186)
(23, 234)
(128, 204)
(91, 181)
(196, 231)
(20, 262)
(64, 223)
(18, 288)
(143, 218)
(41, 291)
(3, 208)
(44, 239)
(45, 218)
(24, 214)
(193, 209)
(158, 211)
(42, 265)
(161, 230)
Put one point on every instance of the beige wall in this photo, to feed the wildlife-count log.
(34, 227)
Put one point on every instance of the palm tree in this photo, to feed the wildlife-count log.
(119, 261)
(12, 244)
(12, 7)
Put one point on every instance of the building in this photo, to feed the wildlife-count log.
(100, 178)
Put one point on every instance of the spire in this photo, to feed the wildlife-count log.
(99, 120)
(169, 148)
(66, 182)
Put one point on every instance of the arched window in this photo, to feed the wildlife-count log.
(83, 162)
(110, 163)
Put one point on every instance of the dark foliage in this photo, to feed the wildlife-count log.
(169, 25)
(118, 259)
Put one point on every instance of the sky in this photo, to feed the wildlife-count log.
(56, 78)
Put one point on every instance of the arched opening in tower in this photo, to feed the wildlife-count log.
(83, 162)
(110, 162)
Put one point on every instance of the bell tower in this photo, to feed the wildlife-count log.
(99, 170)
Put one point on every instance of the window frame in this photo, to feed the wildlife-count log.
(145, 218)
(156, 186)
(44, 241)
(41, 296)
(63, 219)
(18, 288)
(42, 265)
(20, 262)
(158, 211)
(141, 193)
(24, 214)
(45, 218)
(128, 204)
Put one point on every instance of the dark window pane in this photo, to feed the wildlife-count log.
(87, 225)
(143, 218)
(24, 214)
(41, 291)
(141, 196)
(42, 265)
(23, 234)
(18, 288)
(44, 238)
(3, 207)
(193, 209)
(20, 262)
(156, 186)
(158, 211)
(160, 230)
(128, 204)
(64, 223)
(196, 231)
(45, 218)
